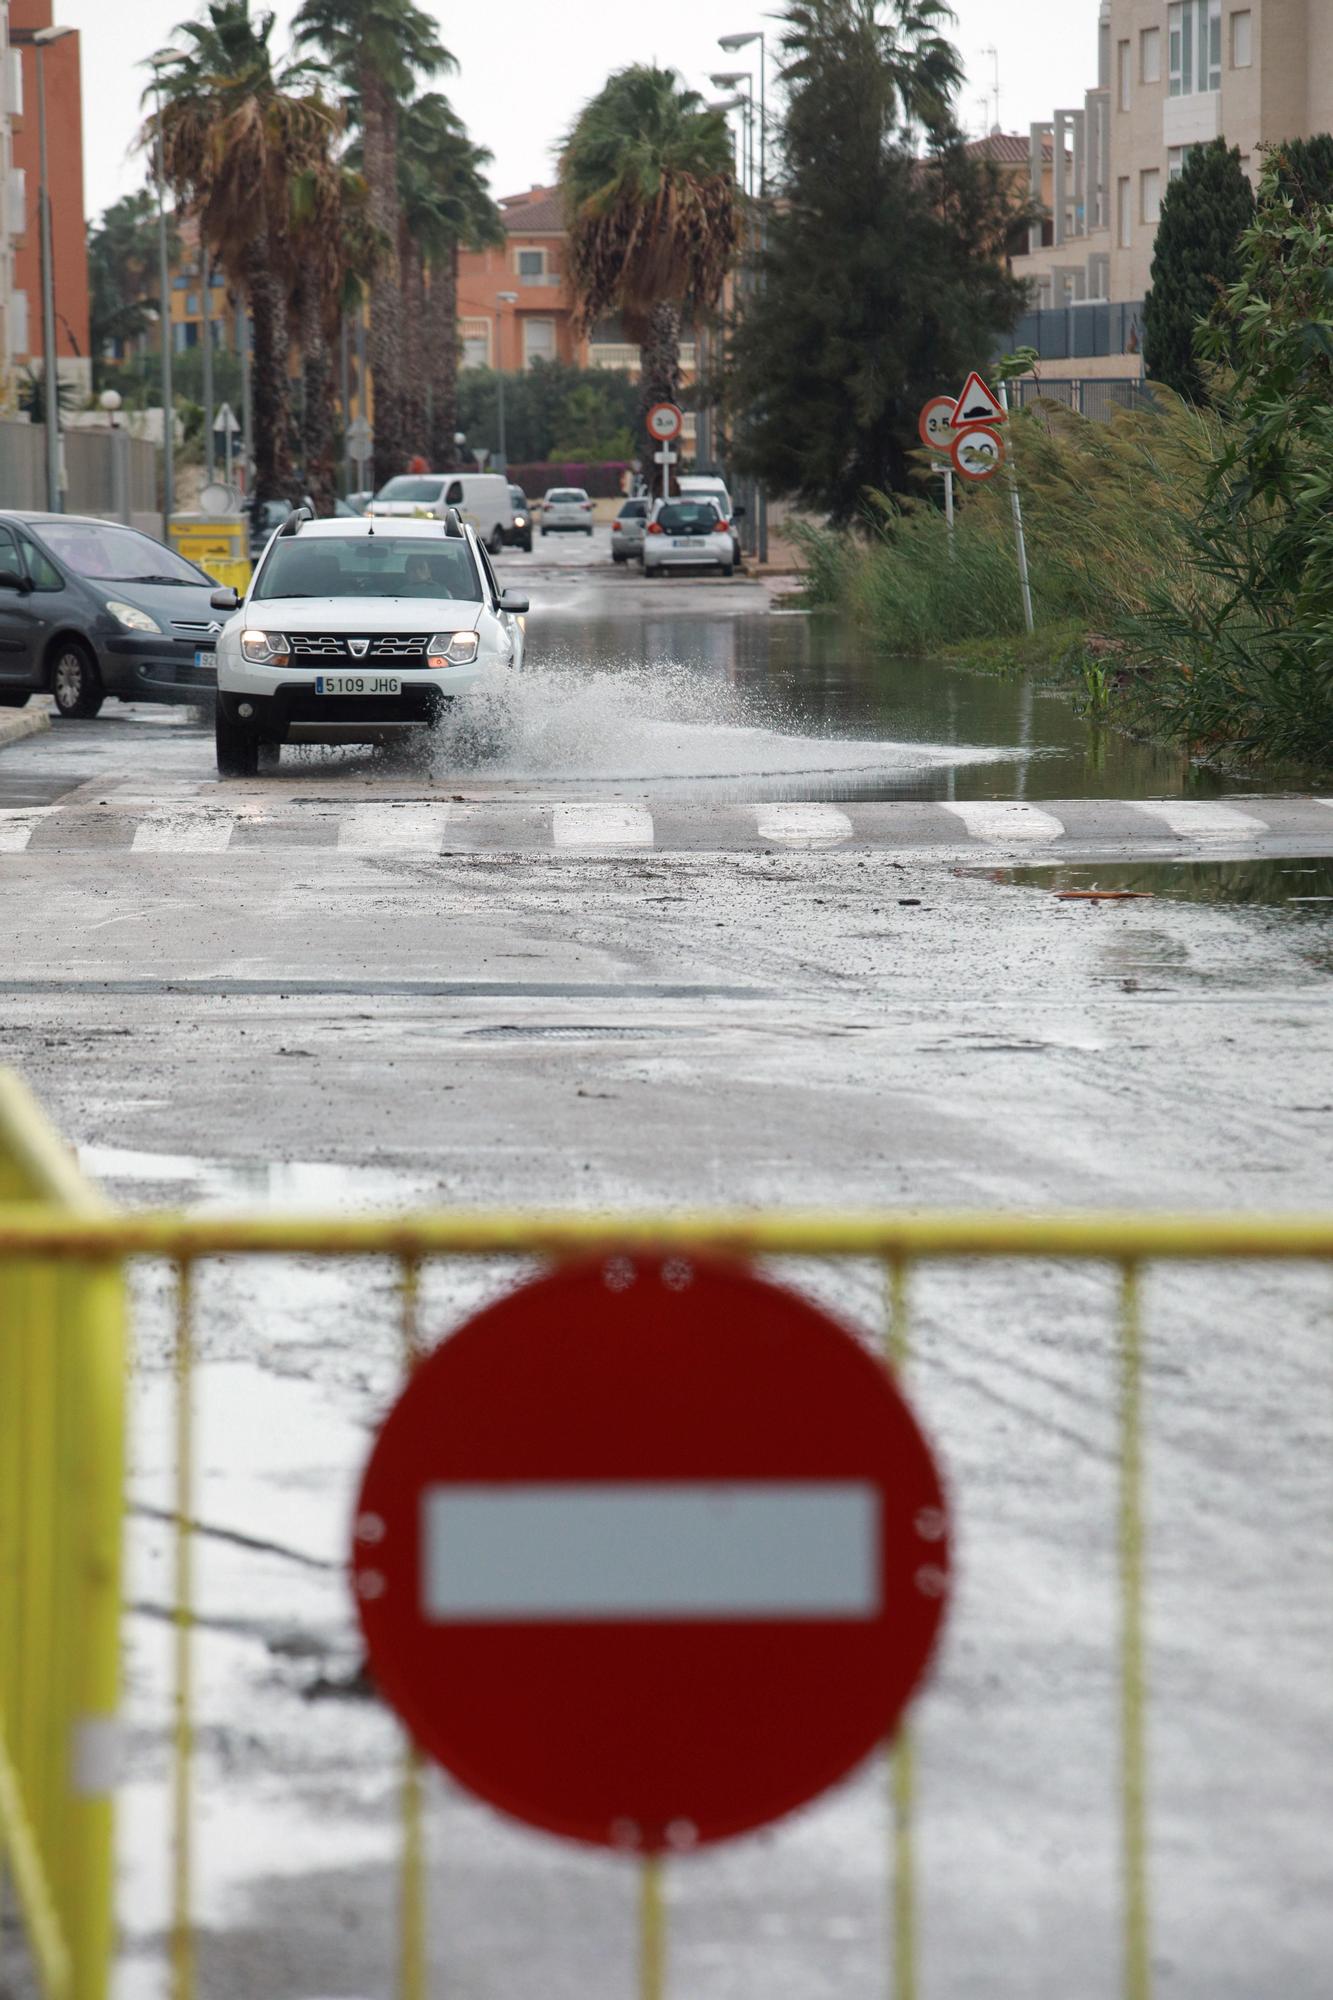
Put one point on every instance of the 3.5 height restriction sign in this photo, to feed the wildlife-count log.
(650, 1553)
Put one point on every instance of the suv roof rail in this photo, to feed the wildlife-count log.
(452, 524)
(295, 521)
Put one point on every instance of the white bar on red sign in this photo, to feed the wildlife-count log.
(566, 1552)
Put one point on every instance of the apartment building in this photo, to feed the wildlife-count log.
(13, 219)
(1187, 71)
(1170, 75)
(64, 120)
(539, 323)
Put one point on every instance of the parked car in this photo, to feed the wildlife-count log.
(519, 532)
(684, 533)
(707, 486)
(352, 631)
(268, 515)
(566, 510)
(481, 499)
(627, 530)
(89, 609)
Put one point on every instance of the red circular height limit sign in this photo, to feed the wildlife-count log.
(665, 422)
(650, 1552)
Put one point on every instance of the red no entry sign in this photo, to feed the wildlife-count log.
(650, 1552)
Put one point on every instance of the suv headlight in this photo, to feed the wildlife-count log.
(452, 649)
(265, 649)
(130, 616)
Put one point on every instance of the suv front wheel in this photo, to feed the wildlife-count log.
(237, 747)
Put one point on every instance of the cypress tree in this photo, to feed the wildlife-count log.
(884, 277)
(1303, 169)
(1197, 255)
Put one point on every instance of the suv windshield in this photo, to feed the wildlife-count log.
(369, 566)
(407, 488)
(116, 555)
(634, 510)
(689, 517)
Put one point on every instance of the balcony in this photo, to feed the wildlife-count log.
(539, 277)
(624, 355)
(16, 210)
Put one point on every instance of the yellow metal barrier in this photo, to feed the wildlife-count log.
(67, 1228)
(62, 1394)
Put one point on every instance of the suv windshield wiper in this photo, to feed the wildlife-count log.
(144, 579)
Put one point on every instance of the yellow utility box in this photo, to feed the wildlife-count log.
(219, 543)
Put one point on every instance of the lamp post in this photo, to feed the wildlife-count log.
(502, 299)
(731, 43)
(41, 39)
(744, 147)
(120, 504)
(158, 63)
(731, 79)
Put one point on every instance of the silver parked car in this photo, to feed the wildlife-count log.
(627, 530)
(685, 533)
(566, 510)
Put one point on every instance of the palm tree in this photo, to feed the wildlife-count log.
(446, 204)
(653, 216)
(333, 251)
(377, 49)
(236, 133)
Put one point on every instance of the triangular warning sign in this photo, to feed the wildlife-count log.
(978, 404)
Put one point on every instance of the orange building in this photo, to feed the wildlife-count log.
(64, 145)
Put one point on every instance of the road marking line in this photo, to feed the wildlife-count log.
(1005, 819)
(803, 825)
(389, 829)
(597, 825)
(18, 824)
(181, 833)
(1200, 819)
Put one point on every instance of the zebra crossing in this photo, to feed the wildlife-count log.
(239, 823)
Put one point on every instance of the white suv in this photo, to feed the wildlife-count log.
(353, 629)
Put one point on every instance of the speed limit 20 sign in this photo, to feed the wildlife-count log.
(665, 422)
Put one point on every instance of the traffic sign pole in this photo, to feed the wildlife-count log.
(1017, 506)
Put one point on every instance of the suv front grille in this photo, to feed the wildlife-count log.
(383, 645)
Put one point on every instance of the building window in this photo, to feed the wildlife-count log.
(1242, 40)
(1177, 160)
(476, 343)
(1150, 55)
(192, 303)
(532, 267)
(1122, 74)
(1124, 211)
(1194, 29)
(538, 341)
(1150, 196)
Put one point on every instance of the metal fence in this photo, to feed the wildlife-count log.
(64, 1238)
(108, 473)
(1078, 332)
(1091, 395)
(62, 1397)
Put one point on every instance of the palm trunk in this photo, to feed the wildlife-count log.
(415, 428)
(442, 343)
(317, 402)
(270, 388)
(380, 129)
(659, 382)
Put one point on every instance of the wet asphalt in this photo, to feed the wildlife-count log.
(784, 1019)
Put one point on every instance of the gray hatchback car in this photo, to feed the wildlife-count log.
(89, 608)
(627, 530)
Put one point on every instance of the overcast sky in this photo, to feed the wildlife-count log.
(525, 66)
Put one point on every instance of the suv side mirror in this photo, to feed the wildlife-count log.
(513, 600)
(225, 599)
(737, 513)
(10, 579)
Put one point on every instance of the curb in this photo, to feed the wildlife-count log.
(13, 728)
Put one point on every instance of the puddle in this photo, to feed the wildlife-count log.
(278, 1184)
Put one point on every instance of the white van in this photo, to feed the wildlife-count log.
(482, 499)
(706, 486)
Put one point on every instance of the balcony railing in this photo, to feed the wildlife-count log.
(539, 277)
(623, 354)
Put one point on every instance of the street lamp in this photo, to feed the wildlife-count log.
(743, 146)
(41, 39)
(731, 79)
(502, 299)
(731, 43)
(158, 63)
